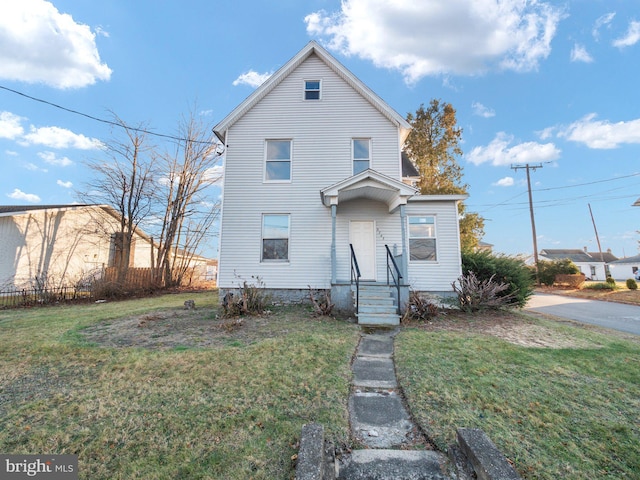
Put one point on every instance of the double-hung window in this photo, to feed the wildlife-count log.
(361, 153)
(275, 237)
(312, 89)
(422, 238)
(278, 161)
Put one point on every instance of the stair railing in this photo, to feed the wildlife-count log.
(355, 276)
(393, 274)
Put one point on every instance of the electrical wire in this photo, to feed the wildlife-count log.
(108, 122)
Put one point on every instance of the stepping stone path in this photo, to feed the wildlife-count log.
(393, 447)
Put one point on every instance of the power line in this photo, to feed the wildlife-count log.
(103, 120)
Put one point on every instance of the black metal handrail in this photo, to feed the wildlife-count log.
(355, 275)
(395, 274)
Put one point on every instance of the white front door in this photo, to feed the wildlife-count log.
(362, 235)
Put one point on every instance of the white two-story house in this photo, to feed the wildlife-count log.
(317, 192)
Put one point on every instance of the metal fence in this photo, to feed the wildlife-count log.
(29, 297)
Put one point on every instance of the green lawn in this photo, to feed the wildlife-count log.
(234, 411)
(570, 413)
(234, 407)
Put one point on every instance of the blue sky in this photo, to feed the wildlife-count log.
(544, 83)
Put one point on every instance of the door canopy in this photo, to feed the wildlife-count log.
(370, 185)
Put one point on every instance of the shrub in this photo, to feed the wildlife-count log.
(322, 305)
(475, 294)
(547, 270)
(611, 281)
(632, 284)
(502, 269)
(420, 308)
(250, 299)
(601, 286)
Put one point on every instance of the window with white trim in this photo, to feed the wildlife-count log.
(361, 153)
(278, 161)
(422, 238)
(275, 237)
(312, 89)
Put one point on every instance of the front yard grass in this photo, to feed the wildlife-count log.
(560, 402)
(230, 410)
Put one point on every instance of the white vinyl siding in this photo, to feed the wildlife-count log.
(437, 276)
(321, 145)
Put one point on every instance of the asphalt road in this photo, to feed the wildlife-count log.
(617, 316)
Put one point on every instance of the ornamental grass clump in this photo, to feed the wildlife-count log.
(475, 295)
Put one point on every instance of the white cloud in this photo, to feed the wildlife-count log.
(52, 159)
(500, 153)
(440, 36)
(56, 137)
(38, 44)
(579, 54)
(35, 168)
(64, 184)
(251, 78)
(504, 182)
(631, 37)
(216, 174)
(20, 195)
(10, 125)
(603, 21)
(600, 134)
(482, 111)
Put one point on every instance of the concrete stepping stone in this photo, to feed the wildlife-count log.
(376, 346)
(374, 373)
(392, 464)
(379, 420)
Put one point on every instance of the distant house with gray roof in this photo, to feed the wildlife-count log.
(625, 268)
(594, 265)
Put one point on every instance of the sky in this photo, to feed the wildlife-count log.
(553, 85)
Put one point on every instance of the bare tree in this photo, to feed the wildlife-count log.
(188, 173)
(125, 181)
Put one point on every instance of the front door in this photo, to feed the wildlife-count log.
(362, 235)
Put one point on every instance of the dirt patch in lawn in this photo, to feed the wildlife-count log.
(512, 327)
(187, 328)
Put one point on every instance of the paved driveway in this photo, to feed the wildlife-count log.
(617, 316)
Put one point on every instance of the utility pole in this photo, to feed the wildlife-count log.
(528, 167)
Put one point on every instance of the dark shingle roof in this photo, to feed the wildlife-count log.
(576, 255)
(408, 168)
(606, 256)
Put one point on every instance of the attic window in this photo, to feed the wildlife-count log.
(312, 89)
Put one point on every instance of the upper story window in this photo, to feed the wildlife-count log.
(278, 161)
(312, 89)
(361, 152)
(422, 238)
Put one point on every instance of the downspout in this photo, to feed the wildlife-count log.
(405, 247)
(334, 212)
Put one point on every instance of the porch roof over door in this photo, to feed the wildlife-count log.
(370, 185)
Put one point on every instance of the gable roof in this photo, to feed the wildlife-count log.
(17, 209)
(368, 184)
(606, 256)
(312, 48)
(575, 255)
(635, 259)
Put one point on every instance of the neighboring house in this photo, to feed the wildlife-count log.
(625, 268)
(594, 265)
(313, 165)
(61, 245)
